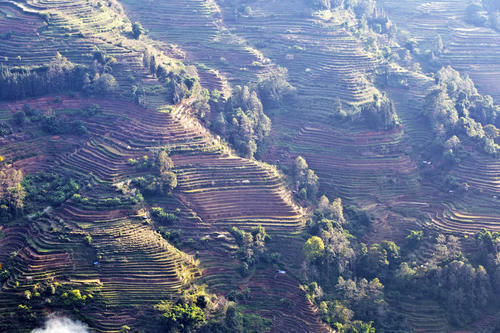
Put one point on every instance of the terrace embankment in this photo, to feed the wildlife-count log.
(472, 50)
(129, 260)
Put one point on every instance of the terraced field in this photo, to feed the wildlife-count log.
(128, 263)
(216, 190)
(363, 167)
(285, 34)
(478, 208)
(76, 30)
(204, 38)
(470, 49)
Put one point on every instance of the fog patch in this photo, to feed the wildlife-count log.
(57, 324)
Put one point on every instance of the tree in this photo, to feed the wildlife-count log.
(414, 238)
(137, 30)
(338, 111)
(300, 167)
(438, 45)
(244, 121)
(312, 183)
(12, 192)
(180, 316)
(491, 131)
(337, 210)
(165, 163)
(125, 329)
(474, 15)
(275, 88)
(452, 142)
(375, 262)
(106, 84)
(314, 248)
(233, 319)
(20, 118)
(168, 182)
(146, 58)
(338, 252)
(323, 204)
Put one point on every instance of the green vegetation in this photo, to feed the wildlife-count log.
(164, 183)
(162, 216)
(351, 281)
(243, 121)
(58, 76)
(306, 181)
(252, 247)
(97, 222)
(457, 111)
(12, 194)
(45, 188)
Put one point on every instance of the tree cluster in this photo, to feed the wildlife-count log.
(50, 121)
(12, 193)
(206, 314)
(355, 291)
(457, 112)
(179, 85)
(345, 276)
(58, 76)
(50, 295)
(380, 114)
(163, 181)
(252, 246)
(243, 121)
(306, 181)
(464, 286)
(21, 194)
(484, 14)
(48, 188)
(366, 10)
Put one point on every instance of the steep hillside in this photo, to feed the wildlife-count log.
(468, 48)
(234, 166)
(105, 241)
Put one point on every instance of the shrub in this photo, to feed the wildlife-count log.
(137, 30)
(180, 315)
(314, 248)
(88, 239)
(162, 216)
(20, 118)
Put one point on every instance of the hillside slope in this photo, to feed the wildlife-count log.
(127, 263)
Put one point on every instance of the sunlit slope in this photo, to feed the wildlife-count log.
(467, 48)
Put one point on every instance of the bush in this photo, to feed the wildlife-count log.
(137, 30)
(106, 84)
(180, 316)
(91, 110)
(49, 188)
(88, 239)
(5, 129)
(162, 216)
(20, 118)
